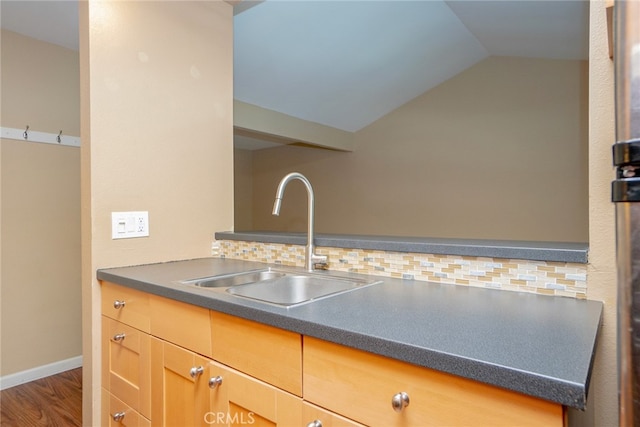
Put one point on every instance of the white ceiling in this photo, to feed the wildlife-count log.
(51, 21)
(346, 63)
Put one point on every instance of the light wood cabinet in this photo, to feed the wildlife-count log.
(161, 358)
(361, 386)
(190, 390)
(126, 305)
(180, 389)
(314, 416)
(270, 354)
(126, 380)
(116, 413)
(240, 399)
(125, 359)
(183, 324)
(157, 363)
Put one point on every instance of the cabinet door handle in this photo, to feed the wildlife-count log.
(315, 423)
(399, 401)
(215, 381)
(117, 304)
(195, 372)
(118, 416)
(118, 337)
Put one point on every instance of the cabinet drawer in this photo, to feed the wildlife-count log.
(126, 305)
(183, 324)
(126, 361)
(116, 413)
(312, 413)
(267, 353)
(361, 385)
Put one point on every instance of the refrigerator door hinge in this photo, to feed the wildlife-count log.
(626, 158)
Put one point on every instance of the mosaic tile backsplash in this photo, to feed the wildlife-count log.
(541, 277)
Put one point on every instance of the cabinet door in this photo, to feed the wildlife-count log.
(239, 399)
(180, 390)
(116, 413)
(314, 416)
(126, 371)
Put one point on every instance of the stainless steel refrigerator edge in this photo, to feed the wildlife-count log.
(626, 194)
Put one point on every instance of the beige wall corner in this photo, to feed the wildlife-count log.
(447, 164)
(243, 189)
(157, 131)
(40, 300)
(256, 121)
(603, 400)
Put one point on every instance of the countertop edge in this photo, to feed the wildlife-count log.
(560, 391)
(525, 250)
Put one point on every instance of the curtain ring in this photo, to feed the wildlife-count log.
(59, 138)
(25, 134)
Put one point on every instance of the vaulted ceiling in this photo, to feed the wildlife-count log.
(346, 63)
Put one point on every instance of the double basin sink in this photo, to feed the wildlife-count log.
(281, 287)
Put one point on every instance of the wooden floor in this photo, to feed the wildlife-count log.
(52, 401)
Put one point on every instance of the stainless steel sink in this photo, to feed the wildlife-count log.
(292, 289)
(281, 287)
(236, 279)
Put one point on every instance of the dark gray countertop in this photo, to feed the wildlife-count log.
(539, 345)
(527, 250)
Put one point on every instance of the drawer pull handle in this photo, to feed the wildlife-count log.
(195, 372)
(400, 401)
(315, 423)
(117, 304)
(118, 337)
(118, 416)
(215, 381)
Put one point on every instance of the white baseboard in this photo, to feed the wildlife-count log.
(38, 372)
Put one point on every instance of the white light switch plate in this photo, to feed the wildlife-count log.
(127, 225)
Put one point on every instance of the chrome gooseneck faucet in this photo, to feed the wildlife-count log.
(310, 259)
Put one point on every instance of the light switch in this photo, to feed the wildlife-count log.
(127, 225)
